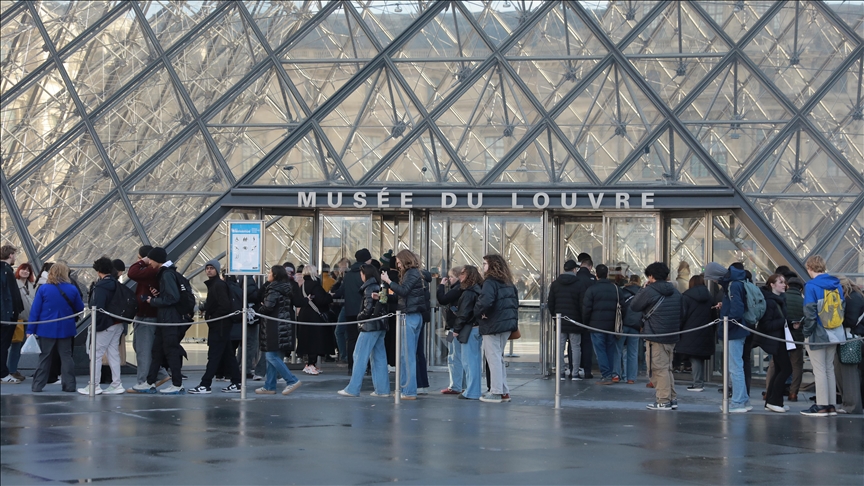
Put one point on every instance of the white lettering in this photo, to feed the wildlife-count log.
(444, 200)
(537, 198)
(564, 201)
(306, 199)
(622, 200)
(471, 203)
(383, 198)
(405, 201)
(330, 200)
(595, 203)
(360, 198)
(647, 200)
(516, 205)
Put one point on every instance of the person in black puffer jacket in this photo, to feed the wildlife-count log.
(696, 305)
(564, 299)
(632, 327)
(794, 298)
(498, 311)
(847, 375)
(411, 291)
(449, 291)
(598, 311)
(276, 339)
(660, 305)
(370, 342)
(772, 323)
(467, 331)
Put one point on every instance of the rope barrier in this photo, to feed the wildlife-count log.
(643, 336)
(324, 323)
(169, 324)
(27, 323)
(791, 342)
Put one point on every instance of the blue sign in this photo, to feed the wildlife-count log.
(245, 247)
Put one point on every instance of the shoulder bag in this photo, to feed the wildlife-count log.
(619, 320)
(324, 317)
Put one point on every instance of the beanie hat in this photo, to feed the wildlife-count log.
(214, 264)
(363, 255)
(119, 265)
(158, 255)
(569, 265)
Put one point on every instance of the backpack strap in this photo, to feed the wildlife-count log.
(66, 298)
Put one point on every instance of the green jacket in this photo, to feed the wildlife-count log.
(795, 311)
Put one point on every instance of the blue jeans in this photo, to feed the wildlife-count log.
(472, 363)
(413, 325)
(606, 349)
(631, 357)
(14, 356)
(736, 373)
(370, 344)
(276, 366)
(454, 364)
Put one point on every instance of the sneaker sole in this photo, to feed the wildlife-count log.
(287, 392)
(196, 392)
(181, 392)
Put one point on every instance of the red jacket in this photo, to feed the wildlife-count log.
(146, 277)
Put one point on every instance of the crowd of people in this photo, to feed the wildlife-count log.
(349, 313)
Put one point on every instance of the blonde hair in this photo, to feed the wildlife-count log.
(455, 271)
(59, 273)
(311, 271)
(816, 264)
(849, 286)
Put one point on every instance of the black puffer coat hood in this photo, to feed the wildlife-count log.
(695, 312)
(667, 317)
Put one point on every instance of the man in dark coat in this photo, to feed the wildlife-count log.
(598, 311)
(564, 299)
(219, 348)
(10, 306)
(584, 280)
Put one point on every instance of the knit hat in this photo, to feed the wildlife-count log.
(158, 255)
(569, 265)
(118, 265)
(363, 255)
(714, 271)
(214, 264)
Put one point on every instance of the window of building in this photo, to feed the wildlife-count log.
(494, 151)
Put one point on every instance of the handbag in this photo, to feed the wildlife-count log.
(324, 317)
(514, 335)
(18, 335)
(619, 320)
(850, 351)
(31, 346)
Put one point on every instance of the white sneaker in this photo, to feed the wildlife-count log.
(144, 388)
(346, 394)
(374, 394)
(280, 380)
(86, 390)
(173, 390)
(257, 378)
(739, 410)
(115, 390)
(10, 380)
(391, 369)
(290, 388)
(422, 391)
(775, 408)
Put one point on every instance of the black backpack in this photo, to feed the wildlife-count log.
(236, 294)
(123, 303)
(186, 305)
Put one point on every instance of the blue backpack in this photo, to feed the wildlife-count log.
(754, 301)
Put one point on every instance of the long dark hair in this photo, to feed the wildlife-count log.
(696, 280)
(472, 276)
(370, 272)
(279, 273)
(409, 260)
(498, 269)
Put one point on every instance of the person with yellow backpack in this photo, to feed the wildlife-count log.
(823, 331)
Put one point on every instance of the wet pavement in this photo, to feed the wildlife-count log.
(603, 435)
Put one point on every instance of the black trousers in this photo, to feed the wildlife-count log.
(166, 348)
(352, 332)
(63, 349)
(220, 354)
(6, 333)
(587, 361)
(776, 388)
(748, 361)
(422, 372)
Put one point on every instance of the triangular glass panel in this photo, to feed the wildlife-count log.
(369, 122)
(618, 17)
(735, 18)
(487, 120)
(27, 54)
(549, 78)
(802, 221)
(800, 166)
(499, 19)
(103, 64)
(733, 242)
(254, 122)
(838, 116)
(64, 21)
(146, 119)
(446, 36)
(432, 82)
(339, 36)
(660, 164)
(171, 20)
(387, 19)
(165, 216)
(189, 168)
(279, 20)
(608, 120)
(217, 58)
(734, 118)
(848, 255)
(542, 163)
(62, 189)
(10, 235)
(34, 120)
(799, 49)
(302, 164)
(673, 79)
(423, 162)
(109, 232)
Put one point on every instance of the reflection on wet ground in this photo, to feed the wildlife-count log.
(603, 435)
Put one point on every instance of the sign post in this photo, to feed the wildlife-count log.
(245, 257)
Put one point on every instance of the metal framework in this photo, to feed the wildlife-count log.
(132, 122)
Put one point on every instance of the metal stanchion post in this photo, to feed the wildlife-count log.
(93, 352)
(726, 365)
(398, 393)
(243, 344)
(558, 361)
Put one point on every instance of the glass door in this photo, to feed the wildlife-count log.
(631, 242)
(341, 235)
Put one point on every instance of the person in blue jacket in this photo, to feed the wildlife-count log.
(57, 298)
(734, 302)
